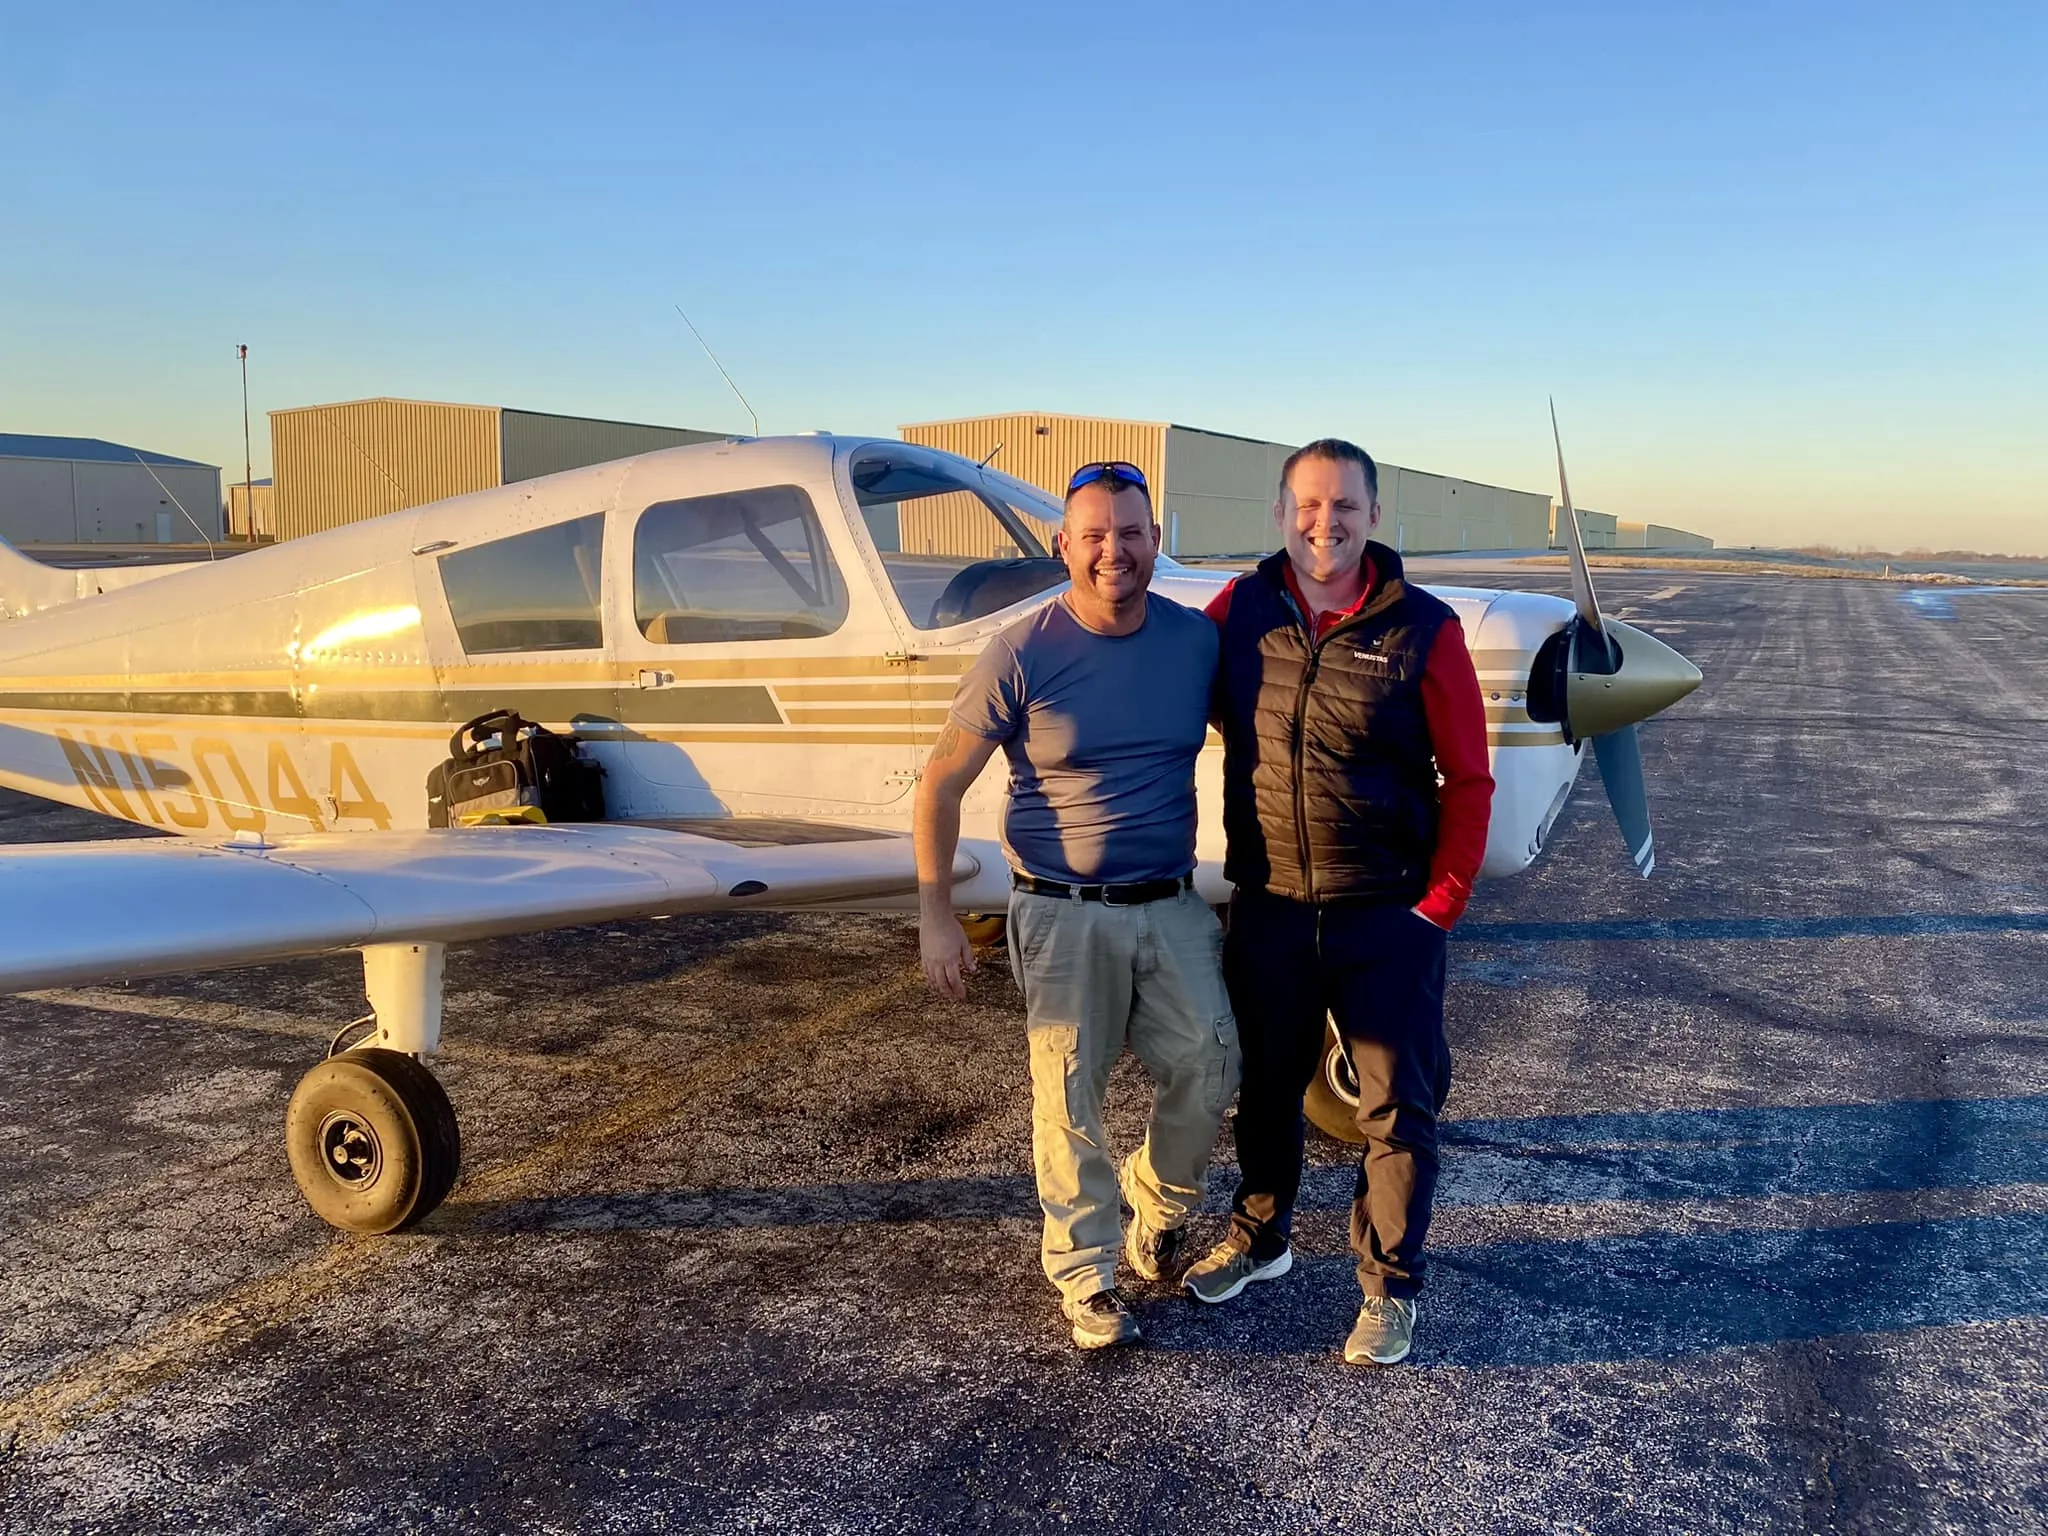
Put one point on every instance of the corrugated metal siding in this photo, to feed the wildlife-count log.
(1219, 493)
(239, 523)
(1214, 492)
(1528, 520)
(126, 503)
(1042, 449)
(1658, 536)
(1597, 530)
(959, 525)
(337, 464)
(36, 502)
(533, 444)
(1423, 513)
(1412, 509)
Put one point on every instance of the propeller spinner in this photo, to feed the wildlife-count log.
(1599, 677)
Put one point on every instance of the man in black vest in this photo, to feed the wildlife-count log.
(1356, 793)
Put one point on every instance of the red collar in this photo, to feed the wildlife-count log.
(1330, 618)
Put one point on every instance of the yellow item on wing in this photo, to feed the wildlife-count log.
(502, 817)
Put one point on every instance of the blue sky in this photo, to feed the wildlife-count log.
(1782, 265)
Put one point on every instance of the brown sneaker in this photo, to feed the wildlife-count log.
(1383, 1334)
(1102, 1320)
(1152, 1252)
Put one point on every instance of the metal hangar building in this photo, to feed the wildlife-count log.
(1214, 491)
(85, 490)
(342, 463)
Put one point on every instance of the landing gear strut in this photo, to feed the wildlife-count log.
(1331, 1103)
(371, 1135)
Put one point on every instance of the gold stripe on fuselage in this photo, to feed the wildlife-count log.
(470, 675)
(799, 733)
(864, 693)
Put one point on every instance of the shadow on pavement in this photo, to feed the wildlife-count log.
(1903, 1144)
(1637, 1296)
(1652, 1296)
(1722, 930)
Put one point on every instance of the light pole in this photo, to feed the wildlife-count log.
(248, 467)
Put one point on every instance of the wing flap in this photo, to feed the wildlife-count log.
(82, 912)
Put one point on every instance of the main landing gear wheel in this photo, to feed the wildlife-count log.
(372, 1140)
(1331, 1102)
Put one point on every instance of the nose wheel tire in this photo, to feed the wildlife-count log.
(986, 930)
(1331, 1102)
(372, 1140)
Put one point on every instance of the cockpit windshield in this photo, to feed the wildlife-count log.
(958, 543)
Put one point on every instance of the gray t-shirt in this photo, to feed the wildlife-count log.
(1102, 733)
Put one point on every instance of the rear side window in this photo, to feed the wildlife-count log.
(746, 565)
(536, 591)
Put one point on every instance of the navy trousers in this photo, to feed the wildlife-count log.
(1377, 969)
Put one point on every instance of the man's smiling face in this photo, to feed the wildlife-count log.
(1325, 514)
(1110, 542)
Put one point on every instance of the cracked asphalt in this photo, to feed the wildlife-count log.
(1744, 1221)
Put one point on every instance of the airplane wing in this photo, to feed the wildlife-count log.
(79, 912)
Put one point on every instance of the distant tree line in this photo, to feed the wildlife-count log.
(1831, 552)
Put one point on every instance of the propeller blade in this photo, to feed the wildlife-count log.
(1620, 757)
(1582, 575)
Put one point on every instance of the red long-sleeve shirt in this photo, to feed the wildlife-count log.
(1457, 736)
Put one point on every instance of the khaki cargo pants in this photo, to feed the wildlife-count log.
(1095, 978)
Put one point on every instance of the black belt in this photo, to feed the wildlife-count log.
(1109, 895)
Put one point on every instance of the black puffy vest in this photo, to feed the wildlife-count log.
(1329, 780)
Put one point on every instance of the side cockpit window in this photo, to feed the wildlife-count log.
(535, 591)
(745, 565)
(958, 544)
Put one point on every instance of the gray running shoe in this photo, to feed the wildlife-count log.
(1227, 1269)
(1101, 1320)
(1152, 1252)
(1383, 1333)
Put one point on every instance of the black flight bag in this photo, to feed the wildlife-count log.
(504, 768)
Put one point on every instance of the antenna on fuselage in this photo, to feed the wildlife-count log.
(210, 554)
(984, 464)
(721, 369)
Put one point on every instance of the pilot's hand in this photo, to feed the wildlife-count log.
(948, 957)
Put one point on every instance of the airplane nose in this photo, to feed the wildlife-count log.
(1651, 678)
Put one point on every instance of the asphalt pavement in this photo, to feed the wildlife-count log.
(1743, 1224)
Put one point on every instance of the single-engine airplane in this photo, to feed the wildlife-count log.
(757, 639)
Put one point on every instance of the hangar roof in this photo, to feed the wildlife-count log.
(455, 405)
(1111, 421)
(30, 445)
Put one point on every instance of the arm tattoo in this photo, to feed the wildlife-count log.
(948, 744)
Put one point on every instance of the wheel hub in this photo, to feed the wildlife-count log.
(350, 1150)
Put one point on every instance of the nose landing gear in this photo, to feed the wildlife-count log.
(985, 930)
(1331, 1102)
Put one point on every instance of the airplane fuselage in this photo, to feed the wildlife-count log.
(754, 628)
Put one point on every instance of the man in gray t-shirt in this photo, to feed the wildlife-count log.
(1101, 702)
(1101, 731)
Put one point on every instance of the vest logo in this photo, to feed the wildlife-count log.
(1372, 656)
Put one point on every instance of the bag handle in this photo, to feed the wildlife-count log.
(468, 739)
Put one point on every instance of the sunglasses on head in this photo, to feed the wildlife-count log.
(1109, 469)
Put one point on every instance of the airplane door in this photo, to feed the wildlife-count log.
(962, 552)
(755, 679)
